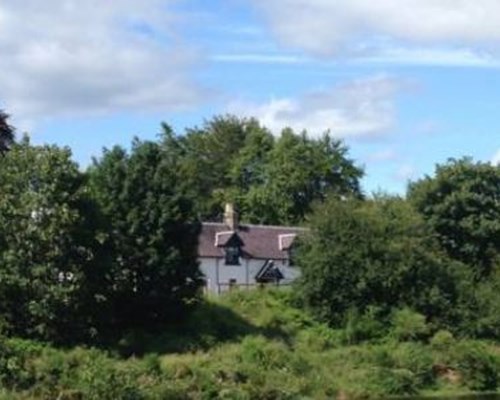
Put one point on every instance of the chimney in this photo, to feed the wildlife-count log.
(231, 217)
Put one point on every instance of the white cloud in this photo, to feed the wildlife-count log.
(439, 57)
(412, 56)
(67, 57)
(327, 26)
(361, 108)
(256, 58)
(496, 158)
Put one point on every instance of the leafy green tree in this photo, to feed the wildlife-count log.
(376, 253)
(6, 133)
(298, 172)
(219, 160)
(273, 181)
(51, 271)
(461, 203)
(154, 274)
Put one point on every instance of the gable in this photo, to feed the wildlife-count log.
(269, 273)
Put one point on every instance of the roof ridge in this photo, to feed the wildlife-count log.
(260, 226)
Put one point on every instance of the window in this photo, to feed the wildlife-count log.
(232, 255)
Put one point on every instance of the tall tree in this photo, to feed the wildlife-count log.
(6, 133)
(461, 203)
(52, 265)
(273, 180)
(298, 171)
(155, 275)
(209, 156)
(375, 253)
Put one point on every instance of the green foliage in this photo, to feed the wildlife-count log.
(299, 171)
(479, 367)
(377, 253)
(6, 133)
(417, 359)
(461, 203)
(256, 363)
(51, 262)
(359, 327)
(442, 340)
(274, 181)
(481, 304)
(408, 325)
(154, 274)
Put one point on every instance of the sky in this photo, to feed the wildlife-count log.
(406, 84)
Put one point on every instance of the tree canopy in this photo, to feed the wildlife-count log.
(152, 234)
(374, 254)
(274, 180)
(51, 275)
(461, 203)
(6, 133)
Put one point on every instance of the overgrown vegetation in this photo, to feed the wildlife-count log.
(397, 296)
(257, 345)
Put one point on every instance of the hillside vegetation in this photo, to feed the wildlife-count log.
(100, 287)
(256, 345)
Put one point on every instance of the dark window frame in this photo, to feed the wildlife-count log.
(232, 255)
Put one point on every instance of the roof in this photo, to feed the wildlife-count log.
(259, 241)
(223, 239)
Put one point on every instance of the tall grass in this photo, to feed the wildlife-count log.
(255, 345)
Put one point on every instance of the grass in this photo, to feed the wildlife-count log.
(251, 345)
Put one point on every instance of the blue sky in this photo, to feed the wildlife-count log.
(406, 83)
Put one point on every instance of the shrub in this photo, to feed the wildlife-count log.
(417, 358)
(397, 381)
(264, 353)
(480, 369)
(442, 340)
(408, 325)
(396, 262)
(360, 327)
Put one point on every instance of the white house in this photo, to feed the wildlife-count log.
(244, 255)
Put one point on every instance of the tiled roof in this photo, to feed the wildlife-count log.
(259, 241)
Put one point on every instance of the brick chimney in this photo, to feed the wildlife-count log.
(231, 217)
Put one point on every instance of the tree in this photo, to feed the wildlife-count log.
(299, 171)
(376, 253)
(218, 160)
(6, 133)
(153, 235)
(273, 180)
(51, 262)
(461, 203)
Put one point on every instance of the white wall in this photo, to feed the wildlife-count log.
(218, 275)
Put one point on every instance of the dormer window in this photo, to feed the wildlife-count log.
(231, 244)
(232, 255)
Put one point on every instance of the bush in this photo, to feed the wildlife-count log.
(480, 369)
(408, 325)
(395, 262)
(319, 338)
(264, 353)
(417, 358)
(360, 327)
(396, 381)
(442, 340)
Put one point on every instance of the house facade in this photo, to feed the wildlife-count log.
(243, 255)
